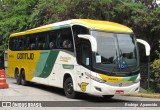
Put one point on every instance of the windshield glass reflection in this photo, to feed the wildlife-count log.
(114, 49)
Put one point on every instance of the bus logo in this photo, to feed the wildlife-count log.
(83, 86)
(25, 56)
(65, 59)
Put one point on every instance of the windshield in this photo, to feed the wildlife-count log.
(115, 50)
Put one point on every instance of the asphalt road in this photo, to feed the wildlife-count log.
(52, 96)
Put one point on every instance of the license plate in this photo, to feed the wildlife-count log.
(119, 92)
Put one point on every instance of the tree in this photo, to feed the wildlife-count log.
(155, 74)
(20, 15)
(14, 15)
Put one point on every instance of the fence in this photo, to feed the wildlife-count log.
(154, 78)
(144, 75)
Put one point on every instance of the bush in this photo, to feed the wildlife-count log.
(155, 73)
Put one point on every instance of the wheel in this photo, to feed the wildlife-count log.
(68, 88)
(23, 79)
(108, 96)
(17, 77)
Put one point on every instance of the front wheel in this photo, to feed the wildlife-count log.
(68, 88)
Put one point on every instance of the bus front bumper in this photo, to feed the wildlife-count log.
(101, 89)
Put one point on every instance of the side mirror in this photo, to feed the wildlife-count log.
(92, 41)
(147, 46)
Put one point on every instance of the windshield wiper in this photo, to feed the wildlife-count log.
(123, 61)
(120, 62)
(116, 61)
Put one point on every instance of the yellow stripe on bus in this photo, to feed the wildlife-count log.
(110, 78)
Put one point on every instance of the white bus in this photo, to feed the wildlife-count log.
(79, 55)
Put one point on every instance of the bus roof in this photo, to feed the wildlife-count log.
(92, 24)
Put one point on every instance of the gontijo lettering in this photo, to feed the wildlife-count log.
(26, 56)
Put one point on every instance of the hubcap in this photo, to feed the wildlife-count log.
(22, 78)
(69, 88)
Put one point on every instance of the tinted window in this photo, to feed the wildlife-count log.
(57, 39)
(41, 41)
(61, 39)
(79, 30)
(52, 40)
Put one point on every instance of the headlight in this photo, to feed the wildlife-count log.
(138, 79)
(95, 78)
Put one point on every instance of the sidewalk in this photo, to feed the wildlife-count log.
(146, 95)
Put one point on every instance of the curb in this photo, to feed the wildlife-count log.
(145, 95)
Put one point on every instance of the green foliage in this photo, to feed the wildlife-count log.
(20, 15)
(14, 16)
(150, 90)
(142, 19)
(155, 75)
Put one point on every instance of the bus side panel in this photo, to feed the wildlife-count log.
(65, 64)
(11, 68)
(26, 60)
(44, 66)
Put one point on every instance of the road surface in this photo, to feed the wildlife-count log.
(52, 96)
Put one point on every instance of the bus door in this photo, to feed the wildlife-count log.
(84, 69)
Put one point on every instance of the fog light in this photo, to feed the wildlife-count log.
(137, 89)
(98, 89)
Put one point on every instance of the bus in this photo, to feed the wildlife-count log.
(78, 55)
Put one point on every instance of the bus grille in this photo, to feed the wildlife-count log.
(119, 84)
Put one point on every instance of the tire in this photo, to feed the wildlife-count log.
(17, 77)
(68, 88)
(23, 79)
(108, 96)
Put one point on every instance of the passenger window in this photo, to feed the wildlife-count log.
(41, 41)
(66, 39)
(16, 43)
(52, 40)
(20, 43)
(32, 42)
(61, 39)
(67, 43)
(12, 43)
(57, 39)
(26, 42)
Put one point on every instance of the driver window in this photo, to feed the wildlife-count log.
(85, 53)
